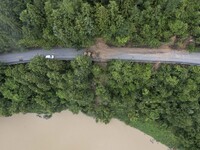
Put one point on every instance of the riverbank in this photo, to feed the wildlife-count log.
(74, 132)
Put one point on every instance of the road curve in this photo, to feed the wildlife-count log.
(176, 57)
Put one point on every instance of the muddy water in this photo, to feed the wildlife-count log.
(65, 131)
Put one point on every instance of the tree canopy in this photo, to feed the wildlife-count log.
(66, 23)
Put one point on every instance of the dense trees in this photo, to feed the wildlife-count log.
(66, 23)
(73, 23)
(168, 95)
(10, 26)
(47, 86)
(111, 24)
(34, 22)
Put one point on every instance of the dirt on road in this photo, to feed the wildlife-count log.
(102, 50)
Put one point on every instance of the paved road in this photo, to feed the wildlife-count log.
(63, 54)
(168, 57)
(69, 54)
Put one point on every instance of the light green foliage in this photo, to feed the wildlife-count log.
(111, 24)
(73, 23)
(178, 28)
(75, 89)
(157, 131)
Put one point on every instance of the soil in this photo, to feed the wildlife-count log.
(156, 66)
(103, 50)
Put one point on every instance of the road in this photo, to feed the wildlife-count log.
(62, 54)
(69, 54)
(176, 57)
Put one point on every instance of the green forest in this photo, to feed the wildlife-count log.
(167, 95)
(77, 23)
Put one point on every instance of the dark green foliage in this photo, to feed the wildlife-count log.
(10, 25)
(2, 72)
(132, 92)
(66, 23)
(34, 21)
(4, 103)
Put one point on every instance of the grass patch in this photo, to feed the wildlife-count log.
(159, 133)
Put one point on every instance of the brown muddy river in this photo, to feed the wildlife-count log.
(65, 131)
